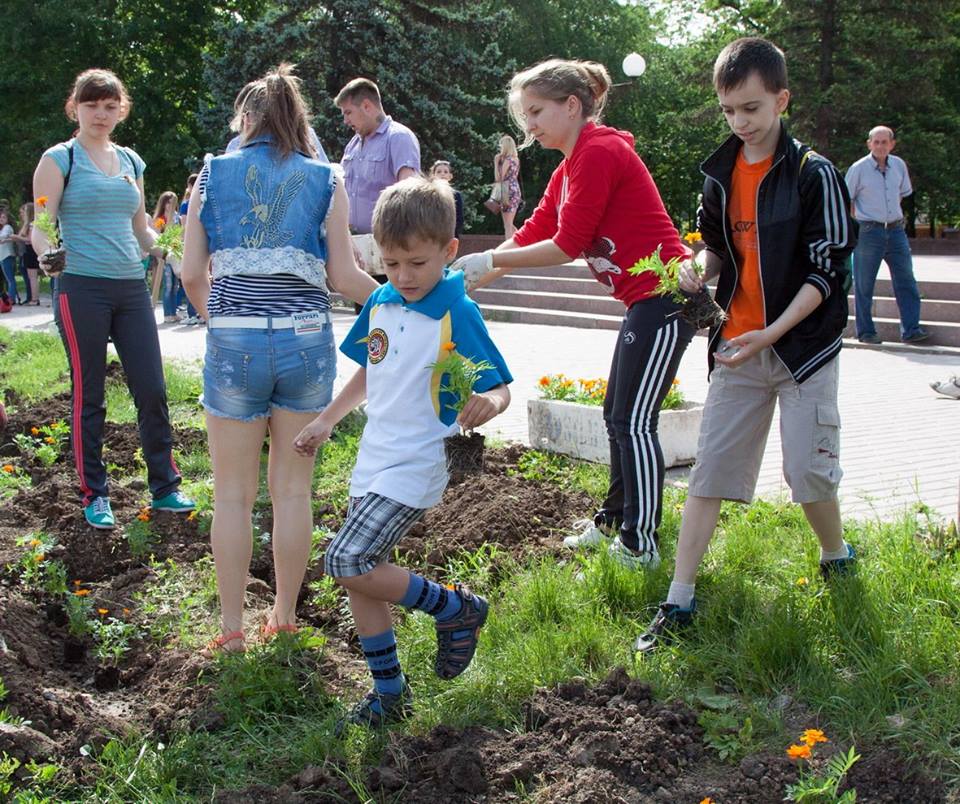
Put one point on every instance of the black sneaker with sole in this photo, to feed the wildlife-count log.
(669, 620)
(839, 566)
(379, 709)
(457, 638)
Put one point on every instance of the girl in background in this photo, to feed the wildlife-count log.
(165, 213)
(506, 172)
(441, 170)
(30, 263)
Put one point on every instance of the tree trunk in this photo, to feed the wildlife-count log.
(824, 126)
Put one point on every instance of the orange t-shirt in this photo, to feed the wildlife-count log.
(746, 310)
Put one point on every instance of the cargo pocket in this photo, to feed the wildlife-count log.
(826, 437)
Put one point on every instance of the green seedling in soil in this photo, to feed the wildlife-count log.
(461, 372)
(113, 637)
(43, 443)
(12, 479)
(5, 716)
(180, 603)
(727, 735)
(821, 788)
(699, 309)
(27, 791)
(38, 572)
(79, 608)
(140, 537)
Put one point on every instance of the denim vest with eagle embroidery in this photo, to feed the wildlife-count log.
(265, 215)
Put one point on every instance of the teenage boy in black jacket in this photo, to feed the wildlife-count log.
(778, 233)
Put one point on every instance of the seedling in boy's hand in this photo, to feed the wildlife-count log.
(699, 308)
(462, 373)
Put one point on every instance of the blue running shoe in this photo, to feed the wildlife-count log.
(99, 514)
(175, 501)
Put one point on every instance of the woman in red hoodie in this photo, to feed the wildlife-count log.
(602, 204)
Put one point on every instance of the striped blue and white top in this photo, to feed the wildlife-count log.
(96, 213)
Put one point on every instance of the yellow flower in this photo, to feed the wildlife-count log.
(82, 592)
(813, 736)
(35, 431)
(39, 557)
(799, 752)
(802, 581)
(693, 237)
(449, 346)
(103, 612)
(35, 542)
(191, 516)
(8, 468)
(49, 440)
(707, 800)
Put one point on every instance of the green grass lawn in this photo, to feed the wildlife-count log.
(874, 659)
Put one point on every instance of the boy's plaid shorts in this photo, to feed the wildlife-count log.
(374, 526)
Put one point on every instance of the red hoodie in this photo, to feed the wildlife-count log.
(602, 204)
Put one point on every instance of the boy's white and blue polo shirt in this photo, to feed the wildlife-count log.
(401, 454)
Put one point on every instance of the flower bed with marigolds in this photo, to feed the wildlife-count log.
(592, 392)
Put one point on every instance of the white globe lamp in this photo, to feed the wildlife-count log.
(634, 65)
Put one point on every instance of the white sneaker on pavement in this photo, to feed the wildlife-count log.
(587, 535)
(949, 387)
(630, 559)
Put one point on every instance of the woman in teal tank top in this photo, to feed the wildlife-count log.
(95, 189)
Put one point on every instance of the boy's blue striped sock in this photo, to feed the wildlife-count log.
(434, 599)
(380, 651)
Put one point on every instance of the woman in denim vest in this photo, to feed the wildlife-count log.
(273, 218)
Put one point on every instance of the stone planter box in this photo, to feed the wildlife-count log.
(578, 431)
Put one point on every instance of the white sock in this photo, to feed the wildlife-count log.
(833, 555)
(681, 594)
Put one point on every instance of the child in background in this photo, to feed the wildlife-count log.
(8, 255)
(405, 327)
(441, 169)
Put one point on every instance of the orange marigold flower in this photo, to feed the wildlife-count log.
(77, 583)
(39, 557)
(544, 381)
(799, 752)
(35, 542)
(8, 468)
(82, 592)
(676, 380)
(160, 222)
(707, 800)
(813, 736)
(143, 517)
(49, 440)
(42, 201)
(191, 516)
(126, 612)
(449, 346)
(103, 612)
(35, 431)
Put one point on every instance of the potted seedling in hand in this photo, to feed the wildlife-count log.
(170, 239)
(699, 308)
(54, 259)
(464, 450)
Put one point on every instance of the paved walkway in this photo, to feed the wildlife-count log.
(900, 441)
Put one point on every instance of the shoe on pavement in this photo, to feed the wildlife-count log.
(379, 709)
(588, 535)
(949, 387)
(839, 566)
(920, 334)
(175, 501)
(99, 514)
(871, 337)
(669, 620)
(633, 559)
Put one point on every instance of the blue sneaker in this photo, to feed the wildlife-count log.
(175, 501)
(839, 566)
(99, 514)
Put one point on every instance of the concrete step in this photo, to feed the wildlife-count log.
(527, 315)
(930, 310)
(571, 270)
(581, 286)
(942, 333)
(932, 289)
(555, 302)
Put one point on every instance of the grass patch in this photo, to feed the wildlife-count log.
(184, 386)
(33, 363)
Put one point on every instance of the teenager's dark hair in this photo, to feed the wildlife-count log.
(94, 85)
(276, 107)
(748, 55)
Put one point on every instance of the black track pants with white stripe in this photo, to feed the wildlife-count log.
(652, 340)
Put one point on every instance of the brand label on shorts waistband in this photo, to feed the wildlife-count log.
(305, 323)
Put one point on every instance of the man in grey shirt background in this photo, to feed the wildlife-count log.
(877, 183)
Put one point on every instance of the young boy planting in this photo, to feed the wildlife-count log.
(407, 326)
(776, 224)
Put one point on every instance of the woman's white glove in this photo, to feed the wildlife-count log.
(474, 267)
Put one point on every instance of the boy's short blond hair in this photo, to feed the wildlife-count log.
(415, 207)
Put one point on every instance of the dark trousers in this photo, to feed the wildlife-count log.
(88, 310)
(645, 361)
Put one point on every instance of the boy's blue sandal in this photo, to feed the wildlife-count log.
(99, 514)
(669, 619)
(839, 566)
(379, 709)
(175, 501)
(457, 638)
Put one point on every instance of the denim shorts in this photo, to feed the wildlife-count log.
(246, 372)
